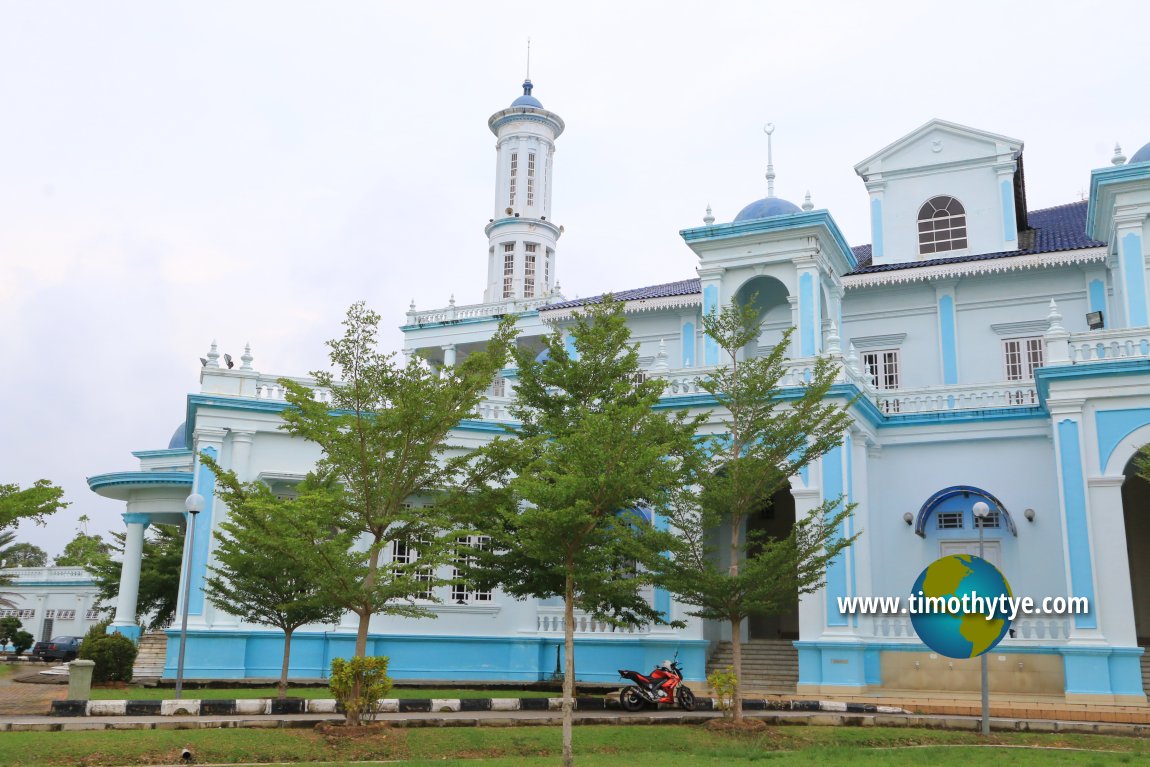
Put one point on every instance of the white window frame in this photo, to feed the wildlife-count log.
(530, 179)
(1022, 356)
(945, 520)
(514, 173)
(407, 553)
(529, 251)
(884, 368)
(508, 269)
(941, 229)
(464, 592)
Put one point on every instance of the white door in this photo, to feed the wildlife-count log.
(992, 550)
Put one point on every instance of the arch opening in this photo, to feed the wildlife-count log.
(768, 296)
(1136, 519)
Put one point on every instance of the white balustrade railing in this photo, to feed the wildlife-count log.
(268, 387)
(549, 620)
(933, 399)
(46, 574)
(1108, 345)
(472, 311)
(1025, 629)
(495, 409)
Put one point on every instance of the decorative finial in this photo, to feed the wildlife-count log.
(1055, 319)
(709, 218)
(768, 129)
(852, 359)
(213, 356)
(246, 357)
(528, 78)
(807, 204)
(833, 340)
(661, 356)
(1118, 158)
(411, 306)
(452, 301)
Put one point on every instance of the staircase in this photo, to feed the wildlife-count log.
(769, 665)
(150, 657)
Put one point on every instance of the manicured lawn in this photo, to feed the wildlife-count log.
(596, 746)
(164, 693)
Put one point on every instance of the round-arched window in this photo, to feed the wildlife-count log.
(941, 226)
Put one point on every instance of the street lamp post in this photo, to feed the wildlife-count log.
(981, 512)
(194, 504)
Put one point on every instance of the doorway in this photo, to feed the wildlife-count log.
(776, 519)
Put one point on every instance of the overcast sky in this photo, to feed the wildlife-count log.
(172, 173)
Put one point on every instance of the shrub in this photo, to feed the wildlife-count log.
(21, 641)
(114, 654)
(358, 684)
(722, 683)
(8, 628)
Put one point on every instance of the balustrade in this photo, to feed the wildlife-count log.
(1109, 345)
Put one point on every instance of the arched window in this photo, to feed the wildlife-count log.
(941, 226)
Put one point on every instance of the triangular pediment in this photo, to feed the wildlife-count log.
(939, 142)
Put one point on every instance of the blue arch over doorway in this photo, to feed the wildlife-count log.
(935, 500)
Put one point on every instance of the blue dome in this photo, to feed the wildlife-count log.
(179, 439)
(527, 100)
(767, 207)
(1142, 155)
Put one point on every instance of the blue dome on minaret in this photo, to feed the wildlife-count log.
(1142, 155)
(527, 100)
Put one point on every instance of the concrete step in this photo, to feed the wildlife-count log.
(767, 664)
(150, 656)
(1146, 669)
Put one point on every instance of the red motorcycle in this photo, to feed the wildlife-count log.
(663, 685)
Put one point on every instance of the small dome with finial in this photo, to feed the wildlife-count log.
(527, 100)
(770, 206)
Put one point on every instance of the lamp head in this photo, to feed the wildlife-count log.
(194, 503)
(981, 509)
(1029, 514)
(907, 517)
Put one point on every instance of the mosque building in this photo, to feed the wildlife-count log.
(999, 355)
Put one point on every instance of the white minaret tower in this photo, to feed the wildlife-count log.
(521, 236)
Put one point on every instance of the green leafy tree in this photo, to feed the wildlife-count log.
(383, 437)
(162, 557)
(84, 549)
(559, 498)
(8, 628)
(6, 539)
(256, 576)
(24, 555)
(761, 444)
(32, 503)
(21, 641)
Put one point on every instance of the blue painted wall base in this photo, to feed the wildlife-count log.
(259, 654)
(1103, 670)
(131, 632)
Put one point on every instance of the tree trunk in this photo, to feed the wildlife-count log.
(287, 659)
(737, 657)
(568, 668)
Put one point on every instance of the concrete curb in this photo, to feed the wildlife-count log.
(291, 706)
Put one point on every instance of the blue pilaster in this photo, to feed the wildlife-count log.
(1077, 527)
(836, 577)
(1097, 292)
(688, 345)
(198, 558)
(1134, 274)
(808, 316)
(710, 304)
(876, 228)
(1009, 223)
(948, 339)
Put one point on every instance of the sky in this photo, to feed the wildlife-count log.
(173, 173)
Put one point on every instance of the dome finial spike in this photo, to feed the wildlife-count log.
(768, 129)
(710, 217)
(528, 78)
(807, 204)
(1118, 158)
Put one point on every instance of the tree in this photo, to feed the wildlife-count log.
(32, 503)
(561, 498)
(383, 435)
(256, 577)
(160, 564)
(25, 555)
(84, 549)
(8, 628)
(6, 539)
(737, 471)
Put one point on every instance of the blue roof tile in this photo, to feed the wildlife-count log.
(1051, 229)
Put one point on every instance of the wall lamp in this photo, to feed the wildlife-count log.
(1094, 320)
(1029, 514)
(908, 518)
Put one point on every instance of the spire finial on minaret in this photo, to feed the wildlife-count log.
(768, 129)
(807, 204)
(710, 217)
(527, 86)
(1118, 158)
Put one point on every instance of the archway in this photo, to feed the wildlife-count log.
(776, 519)
(1136, 517)
(769, 298)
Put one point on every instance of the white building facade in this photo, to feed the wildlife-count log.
(52, 601)
(963, 330)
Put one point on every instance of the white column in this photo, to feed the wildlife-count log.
(125, 620)
(1113, 602)
(449, 356)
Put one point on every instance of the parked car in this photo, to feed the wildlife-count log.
(62, 648)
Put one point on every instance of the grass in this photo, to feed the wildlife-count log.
(595, 746)
(228, 693)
